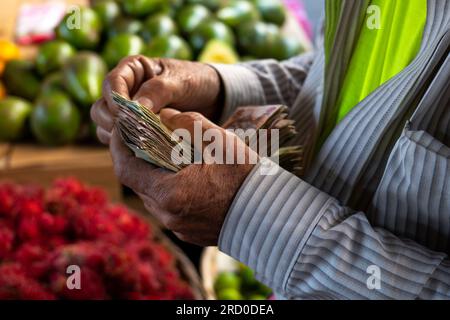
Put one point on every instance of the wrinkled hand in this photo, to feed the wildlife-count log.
(194, 201)
(158, 83)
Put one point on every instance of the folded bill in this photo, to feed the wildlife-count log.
(144, 133)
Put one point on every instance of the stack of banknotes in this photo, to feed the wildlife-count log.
(144, 133)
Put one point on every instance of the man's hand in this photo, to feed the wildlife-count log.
(158, 83)
(193, 202)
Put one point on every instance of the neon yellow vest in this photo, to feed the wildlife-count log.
(382, 53)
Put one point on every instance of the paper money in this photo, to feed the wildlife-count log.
(263, 117)
(271, 117)
(144, 133)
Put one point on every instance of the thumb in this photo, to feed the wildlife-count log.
(133, 172)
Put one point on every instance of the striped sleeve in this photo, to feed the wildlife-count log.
(263, 82)
(303, 244)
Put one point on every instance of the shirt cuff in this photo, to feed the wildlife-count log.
(269, 222)
(242, 88)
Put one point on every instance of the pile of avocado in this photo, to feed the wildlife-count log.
(50, 97)
(240, 285)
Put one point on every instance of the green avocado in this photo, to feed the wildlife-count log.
(287, 47)
(124, 25)
(141, 8)
(82, 30)
(272, 11)
(14, 113)
(121, 46)
(55, 120)
(52, 55)
(238, 12)
(83, 76)
(258, 39)
(21, 80)
(191, 16)
(170, 8)
(169, 47)
(107, 11)
(211, 30)
(158, 25)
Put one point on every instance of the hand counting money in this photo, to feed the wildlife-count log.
(144, 133)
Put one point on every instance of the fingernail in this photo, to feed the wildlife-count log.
(157, 70)
(166, 115)
(170, 112)
(146, 103)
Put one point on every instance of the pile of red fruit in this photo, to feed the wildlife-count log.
(42, 233)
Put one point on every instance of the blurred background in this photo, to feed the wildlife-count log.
(54, 56)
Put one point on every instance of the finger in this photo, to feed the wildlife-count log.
(167, 114)
(175, 119)
(127, 77)
(156, 93)
(133, 172)
(101, 115)
(196, 124)
(103, 135)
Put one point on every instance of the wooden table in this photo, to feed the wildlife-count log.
(23, 163)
